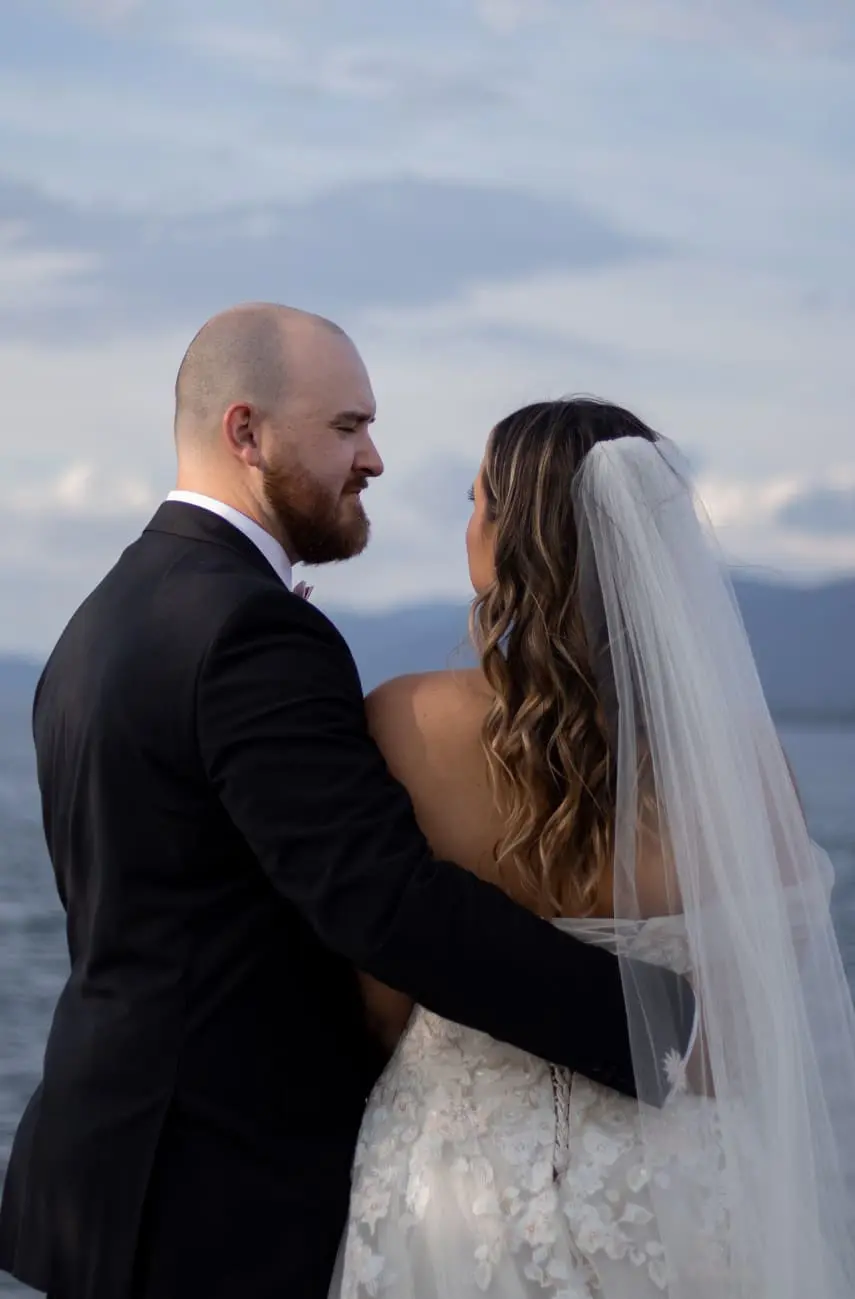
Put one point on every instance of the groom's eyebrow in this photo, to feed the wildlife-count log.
(354, 417)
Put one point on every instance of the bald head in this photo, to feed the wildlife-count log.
(239, 356)
(273, 415)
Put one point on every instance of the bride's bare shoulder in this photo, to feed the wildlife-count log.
(428, 727)
(428, 717)
(424, 700)
(450, 688)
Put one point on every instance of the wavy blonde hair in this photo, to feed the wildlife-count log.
(545, 736)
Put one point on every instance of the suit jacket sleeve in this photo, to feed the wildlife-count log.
(284, 741)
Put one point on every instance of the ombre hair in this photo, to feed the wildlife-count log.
(545, 736)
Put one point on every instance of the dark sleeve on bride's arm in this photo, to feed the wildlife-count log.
(283, 737)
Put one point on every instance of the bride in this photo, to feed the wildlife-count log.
(614, 766)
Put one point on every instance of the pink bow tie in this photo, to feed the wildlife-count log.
(302, 590)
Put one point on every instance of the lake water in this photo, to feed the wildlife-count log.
(33, 961)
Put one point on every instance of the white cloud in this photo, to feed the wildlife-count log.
(763, 506)
(259, 49)
(71, 109)
(725, 363)
(750, 520)
(436, 82)
(802, 27)
(39, 275)
(66, 514)
(81, 491)
(732, 503)
(786, 553)
(808, 26)
(108, 405)
(57, 539)
(675, 125)
(507, 16)
(108, 11)
(721, 360)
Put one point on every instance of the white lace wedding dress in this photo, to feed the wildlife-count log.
(483, 1170)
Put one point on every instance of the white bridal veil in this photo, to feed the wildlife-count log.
(768, 1138)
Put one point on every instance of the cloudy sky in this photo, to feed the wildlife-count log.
(650, 200)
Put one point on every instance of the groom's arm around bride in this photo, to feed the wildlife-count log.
(285, 742)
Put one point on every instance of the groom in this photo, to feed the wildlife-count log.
(230, 849)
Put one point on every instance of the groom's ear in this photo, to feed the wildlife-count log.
(240, 429)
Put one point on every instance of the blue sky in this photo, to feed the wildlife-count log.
(651, 200)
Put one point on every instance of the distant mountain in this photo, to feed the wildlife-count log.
(804, 642)
(803, 638)
(18, 678)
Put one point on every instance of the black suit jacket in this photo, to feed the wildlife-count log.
(229, 846)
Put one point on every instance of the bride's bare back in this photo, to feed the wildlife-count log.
(428, 727)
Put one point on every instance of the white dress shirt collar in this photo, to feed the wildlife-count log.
(270, 548)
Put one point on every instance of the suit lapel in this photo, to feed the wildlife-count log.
(198, 524)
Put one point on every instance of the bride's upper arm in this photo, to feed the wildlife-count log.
(408, 717)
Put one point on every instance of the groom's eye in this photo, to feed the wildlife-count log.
(351, 421)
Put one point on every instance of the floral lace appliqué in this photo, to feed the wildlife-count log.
(481, 1170)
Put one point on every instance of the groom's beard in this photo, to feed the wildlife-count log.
(320, 528)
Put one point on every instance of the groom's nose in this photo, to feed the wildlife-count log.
(368, 461)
